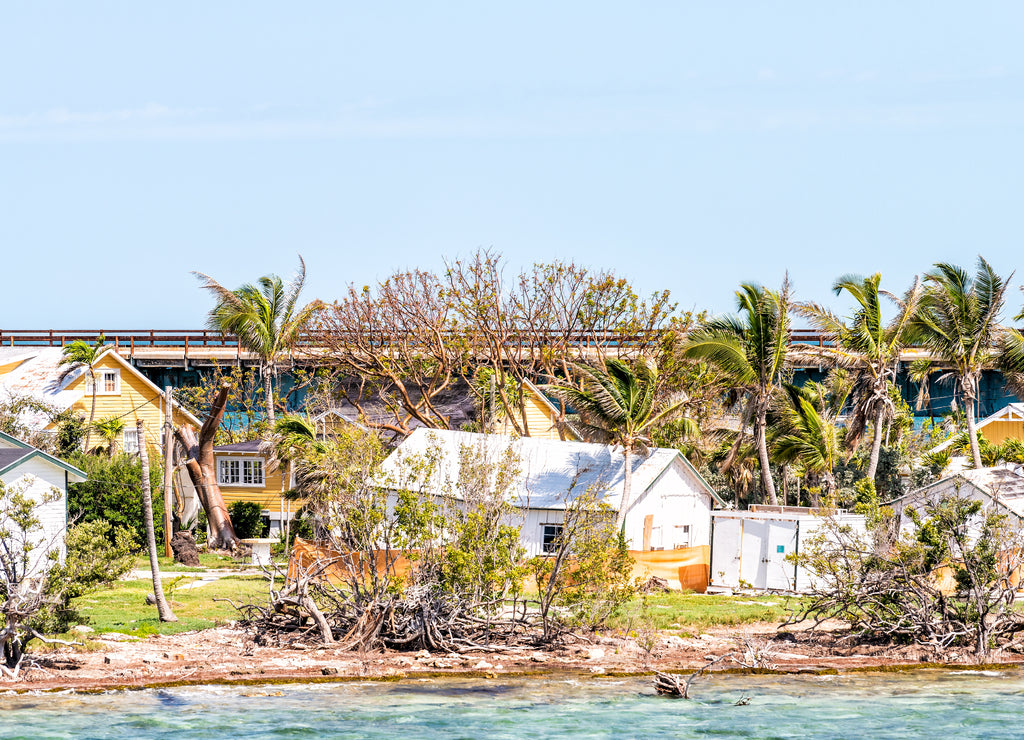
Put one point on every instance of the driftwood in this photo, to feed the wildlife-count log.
(203, 473)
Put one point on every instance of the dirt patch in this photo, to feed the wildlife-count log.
(228, 655)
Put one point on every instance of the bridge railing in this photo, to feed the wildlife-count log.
(130, 339)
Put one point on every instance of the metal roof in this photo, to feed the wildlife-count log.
(552, 472)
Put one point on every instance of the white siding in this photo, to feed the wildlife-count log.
(674, 500)
(40, 476)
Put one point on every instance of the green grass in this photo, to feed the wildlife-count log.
(123, 608)
(692, 612)
(206, 560)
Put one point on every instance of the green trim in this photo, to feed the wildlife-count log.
(49, 458)
(14, 440)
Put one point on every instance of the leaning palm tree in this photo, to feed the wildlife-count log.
(751, 350)
(266, 319)
(870, 348)
(80, 355)
(110, 428)
(616, 404)
(959, 323)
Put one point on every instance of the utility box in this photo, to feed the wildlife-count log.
(752, 549)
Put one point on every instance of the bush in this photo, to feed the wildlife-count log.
(113, 493)
(247, 519)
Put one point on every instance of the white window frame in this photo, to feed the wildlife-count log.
(683, 534)
(130, 448)
(550, 548)
(238, 469)
(101, 386)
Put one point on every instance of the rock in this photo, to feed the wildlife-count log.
(151, 599)
(106, 659)
(595, 653)
(483, 665)
(329, 671)
(673, 641)
(184, 548)
(538, 658)
(422, 655)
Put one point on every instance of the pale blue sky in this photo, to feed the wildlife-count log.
(688, 146)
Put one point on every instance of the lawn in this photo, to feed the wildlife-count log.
(692, 612)
(206, 560)
(123, 608)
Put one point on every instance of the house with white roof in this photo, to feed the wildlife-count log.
(670, 505)
(38, 474)
(1001, 486)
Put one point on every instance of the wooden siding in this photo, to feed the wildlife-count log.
(137, 400)
(268, 496)
(39, 476)
(541, 423)
(999, 431)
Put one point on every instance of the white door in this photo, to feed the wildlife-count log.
(725, 552)
(780, 542)
(753, 566)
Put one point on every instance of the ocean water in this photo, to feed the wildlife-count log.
(926, 704)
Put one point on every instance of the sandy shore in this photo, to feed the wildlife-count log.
(227, 654)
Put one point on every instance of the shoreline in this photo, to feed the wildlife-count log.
(224, 656)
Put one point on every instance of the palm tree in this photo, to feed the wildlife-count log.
(265, 318)
(616, 404)
(807, 436)
(110, 428)
(78, 355)
(958, 323)
(870, 347)
(751, 350)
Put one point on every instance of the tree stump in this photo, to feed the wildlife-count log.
(184, 549)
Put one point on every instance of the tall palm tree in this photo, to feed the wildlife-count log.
(616, 403)
(870, 348)
(752, 350)
(265, 317)
(959, 324)
(76, 356)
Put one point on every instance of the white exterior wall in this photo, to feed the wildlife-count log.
(41, 476)
(752, 550)
(674, 500)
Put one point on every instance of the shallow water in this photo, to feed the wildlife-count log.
(920, 704)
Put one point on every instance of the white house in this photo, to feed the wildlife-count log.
(670, 502)
(38, 473)
(1001, 486)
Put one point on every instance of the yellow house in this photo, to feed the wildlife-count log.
(1006, 423)
(242, 475)
(541, 418)
(121, 391)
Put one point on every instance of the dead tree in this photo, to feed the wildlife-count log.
(202, 470)
(162, 607)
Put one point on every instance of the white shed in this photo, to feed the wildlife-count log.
(751, 549)
(24, 465)
(1001, 486)
(671, 503)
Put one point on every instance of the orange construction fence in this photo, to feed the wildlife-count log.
(686, 569)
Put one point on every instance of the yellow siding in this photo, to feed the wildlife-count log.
(4, 369)
(137, 400)
(998, 432)
(540, 420)
(268, 497)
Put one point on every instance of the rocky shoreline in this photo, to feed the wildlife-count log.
(228, 655)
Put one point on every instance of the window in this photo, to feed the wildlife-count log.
(131, 441)
(237, 471)
(682, 536)
(549, 537)
(108, 383)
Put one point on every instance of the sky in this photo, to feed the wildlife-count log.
(687, 146)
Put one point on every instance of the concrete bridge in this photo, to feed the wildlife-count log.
(181, 356)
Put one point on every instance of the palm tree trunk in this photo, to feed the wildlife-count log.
(876, 445)
(92, 411)
(268, 388)
(760, 438)
(627, 488)
(972, 433)
(162, 607)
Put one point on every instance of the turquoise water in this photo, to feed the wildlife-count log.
(924, 704)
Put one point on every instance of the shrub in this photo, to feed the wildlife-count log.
(247, 519)
(113, 493)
